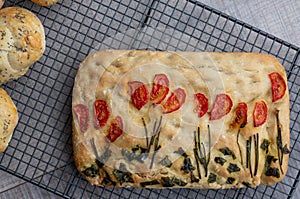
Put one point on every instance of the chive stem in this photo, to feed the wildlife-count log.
(146, 132)
(237, 141)
(250, 167)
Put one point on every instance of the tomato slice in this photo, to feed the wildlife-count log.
(241, 114)
(175, 101)
(115, 129)
(278, 86)
(221, 107)
(139, 94)
(260, 113)
(160, 88)
(201, 104)
(82, 113)
(102, 112)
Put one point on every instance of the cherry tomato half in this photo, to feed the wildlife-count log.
(278, 86)
(260, 113)
(221, 106)
(139, 94)
(115, 129)
(201, 104)
(102, 112)
(82, 113)
(175, 101)
(241, 114)
(160, 88)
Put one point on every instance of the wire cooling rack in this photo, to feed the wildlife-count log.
(41, 152)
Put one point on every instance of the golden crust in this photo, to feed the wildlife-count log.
(22, 42)
(8, 119)
(104, 75)
(45, 2)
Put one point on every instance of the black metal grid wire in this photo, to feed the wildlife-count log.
(41, 152)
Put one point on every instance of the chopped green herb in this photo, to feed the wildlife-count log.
(167, 182)
(170, 182)
(107, 179)
(123, 175)
(136, 155)
(181, 152)
(179, 182)
(220, 160)
(212, 178)
(230, 180)
(285, 149)
(103, 158)
(233, 168)
(272, 171)
(166, 162)
(187, 165)
(148, 183)
(92, 171)
(193, 178)
(227, 151)
(247, 184)
(138, 148)
(265, 145)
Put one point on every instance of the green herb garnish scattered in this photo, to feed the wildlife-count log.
(227, 151)
(233, 168)
(212, 178)
(265, 145)
(148, 183)
(166, 162)
(123, 175)
(230, 180)
(220, 160)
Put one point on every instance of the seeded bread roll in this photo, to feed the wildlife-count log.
(181, 119)
(22, 42)
(45, 2)
(8, 119)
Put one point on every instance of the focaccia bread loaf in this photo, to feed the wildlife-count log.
(45, 2)
(8, 119)
(181, 119)
(22, 42)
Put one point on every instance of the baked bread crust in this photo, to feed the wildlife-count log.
(45, 2)
(22, 42)
(8, 119)
(231, 155)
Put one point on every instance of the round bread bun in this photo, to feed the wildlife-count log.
(22, 42)
(8, 119)
(45, 2)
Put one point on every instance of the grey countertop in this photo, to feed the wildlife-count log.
(277, 17)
